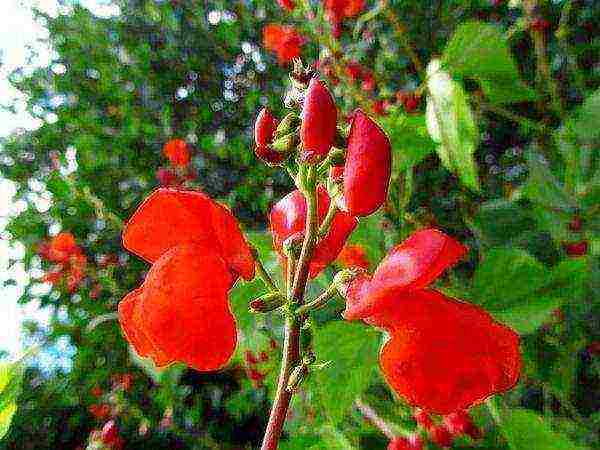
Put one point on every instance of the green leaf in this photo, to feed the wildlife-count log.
(409, 138)
(529, 315)
(526, 430)
(352, 350)
(543, 188)
(480, 51)
(500, 222)
(11, 376)
(451, 124)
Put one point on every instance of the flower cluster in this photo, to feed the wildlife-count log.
(179, 171)
(69, 261)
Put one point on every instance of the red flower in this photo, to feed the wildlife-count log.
(264, 128)
(368, 166)
(287, 4)
(100, 411)
(353, 256)
(198, 251)
(576, 248)
(319, 120)
(410, 266)
(412, 442)
(71, 262)
(284, 41)
(440, 435)
(288, 218)
(177, 151)
(445, 355)
(60, 248)
(110, 432)
(338, 10)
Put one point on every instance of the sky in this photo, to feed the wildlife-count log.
(18, 31)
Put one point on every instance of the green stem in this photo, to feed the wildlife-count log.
(372, 416)
(291, 345)
(318, 302)
(326, 224)
(263, 274)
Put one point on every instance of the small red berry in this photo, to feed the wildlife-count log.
(440, 435)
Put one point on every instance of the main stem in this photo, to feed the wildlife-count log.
(291, 343)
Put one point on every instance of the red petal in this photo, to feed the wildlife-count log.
(330, 246)
(368, 166)
(185, 307)
(446, 355)
(264, 127)
(134, 333)
(410, 266)
(171, 217)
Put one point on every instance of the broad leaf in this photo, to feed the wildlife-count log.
(526, 430)
(451, 124)
(499, 222)
(11, 376)
(352, 350)
(480, 51)
(409, 138)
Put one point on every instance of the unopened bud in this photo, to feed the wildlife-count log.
(345, 276)
(297, 377)
(285, 144)
(292, 246)
(288, 124)
(267, 302)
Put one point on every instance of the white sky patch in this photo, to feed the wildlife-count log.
(19, 31)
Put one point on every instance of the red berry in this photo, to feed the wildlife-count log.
(368, 166)
(284, 41)
(264, 128)
(423, 419)
(110, 432)
(319, 120)
(440, 435)
(576, 248)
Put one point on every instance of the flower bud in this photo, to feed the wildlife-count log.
(267, 302)
(285, 144)
(264, 128)
(288, 124)
(319, 118)
(297, 377)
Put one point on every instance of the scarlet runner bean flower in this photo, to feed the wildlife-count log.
(338, 10)
(177, 151)
(287, 4)
(288, 218)
(368, 166)
(284, 41)
(198, 251)
(319, 120)
(264, 129)
(444, 355)
(70, 261)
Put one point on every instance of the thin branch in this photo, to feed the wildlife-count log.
(370, 414)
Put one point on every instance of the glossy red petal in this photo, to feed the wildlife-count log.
(330, 246)
(234, 248)
(133, 329)
(446, 355)
(368, 166)
(171, 217)
(319, 120)
(185, 307)
(410, 266)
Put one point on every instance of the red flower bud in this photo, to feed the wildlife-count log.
(576, 248)
(176, 150)
(446, 355)
(288, 218)
(319, 120)
(264, 127)
(410, 266)
(368, 166)
(440, 435)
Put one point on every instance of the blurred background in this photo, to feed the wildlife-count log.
(91, 90)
